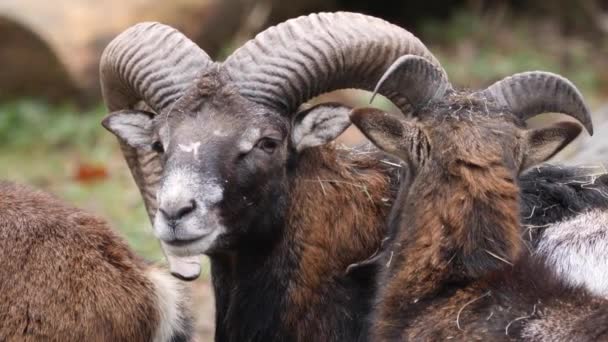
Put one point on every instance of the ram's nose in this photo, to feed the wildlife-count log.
(177, 209)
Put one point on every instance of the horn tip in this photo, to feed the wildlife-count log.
(105, 122)
(588, 122)
(371, 99)
(589, 128)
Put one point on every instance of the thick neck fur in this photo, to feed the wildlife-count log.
(453, 227)
(456, 269)
(298, 286)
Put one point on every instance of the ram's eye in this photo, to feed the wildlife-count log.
(268, 145)
(157, 147)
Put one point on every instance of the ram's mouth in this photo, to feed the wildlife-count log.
(184, 242)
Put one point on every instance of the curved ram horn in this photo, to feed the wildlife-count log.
(154, 64)
(528, 94)
(301, 58)
(415, 79)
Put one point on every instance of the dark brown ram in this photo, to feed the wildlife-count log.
(456, 266)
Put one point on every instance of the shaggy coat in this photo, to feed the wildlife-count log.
(298, 287)
(554, 193)
(456, 266)
(66, 276)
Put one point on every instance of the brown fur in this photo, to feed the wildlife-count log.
(455, 269)
(301, 284)
(66, 276)
(447, 239)
(337, 208)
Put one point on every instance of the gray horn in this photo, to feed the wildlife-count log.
(415, 80)
(531, 93)
(287, 65)
(154, 64)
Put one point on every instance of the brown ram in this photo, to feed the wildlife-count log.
(456, 266)
(66, 276)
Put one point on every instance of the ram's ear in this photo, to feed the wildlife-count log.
(542, 144)
(319, 125)
(131, 126)
(382, 129)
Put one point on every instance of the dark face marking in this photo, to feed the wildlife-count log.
(223, 170)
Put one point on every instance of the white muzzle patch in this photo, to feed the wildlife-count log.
(184, 239)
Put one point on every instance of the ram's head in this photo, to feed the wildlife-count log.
(466, 150)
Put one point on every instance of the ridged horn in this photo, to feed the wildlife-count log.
(532, 93)
(301, 58)
(416, 79)
(154, 64)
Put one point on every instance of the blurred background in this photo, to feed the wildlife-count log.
(50, 105)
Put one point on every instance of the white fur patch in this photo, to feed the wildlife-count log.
(164, 132)
(182, 184)
(576, 250)
(220, 133)
(191, 148)
(179, 183)
(249, 138)
(171, 297)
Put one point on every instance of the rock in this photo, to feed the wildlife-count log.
(53, 47)
(30, 66)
